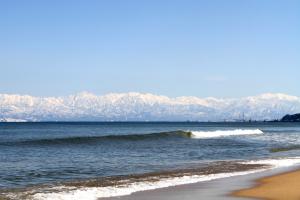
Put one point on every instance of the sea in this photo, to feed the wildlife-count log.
(94, 160)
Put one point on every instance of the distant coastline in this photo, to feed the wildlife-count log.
(285, 118)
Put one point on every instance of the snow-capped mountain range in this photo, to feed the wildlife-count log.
(145, 107)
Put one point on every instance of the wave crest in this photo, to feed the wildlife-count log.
(134, 137)
(222, 133)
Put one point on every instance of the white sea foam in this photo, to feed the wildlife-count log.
(101, 192)
(276, 163)
(224, 133)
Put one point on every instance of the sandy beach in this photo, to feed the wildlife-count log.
(284, 186)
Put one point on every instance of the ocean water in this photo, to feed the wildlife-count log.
(89, 160)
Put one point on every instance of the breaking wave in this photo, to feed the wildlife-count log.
(135, 137)
(214, 134)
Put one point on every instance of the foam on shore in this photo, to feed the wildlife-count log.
(93, 193)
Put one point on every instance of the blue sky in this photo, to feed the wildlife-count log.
(206, 48)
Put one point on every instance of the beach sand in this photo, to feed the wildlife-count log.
(285, 186)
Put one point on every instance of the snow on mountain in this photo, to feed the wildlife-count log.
(144, 106)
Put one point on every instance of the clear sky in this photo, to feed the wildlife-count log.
(206, 48)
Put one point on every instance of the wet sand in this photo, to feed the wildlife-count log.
(285, 186)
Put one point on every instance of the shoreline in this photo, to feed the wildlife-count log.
(225, 188)
(280, 186)
(219, 189)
